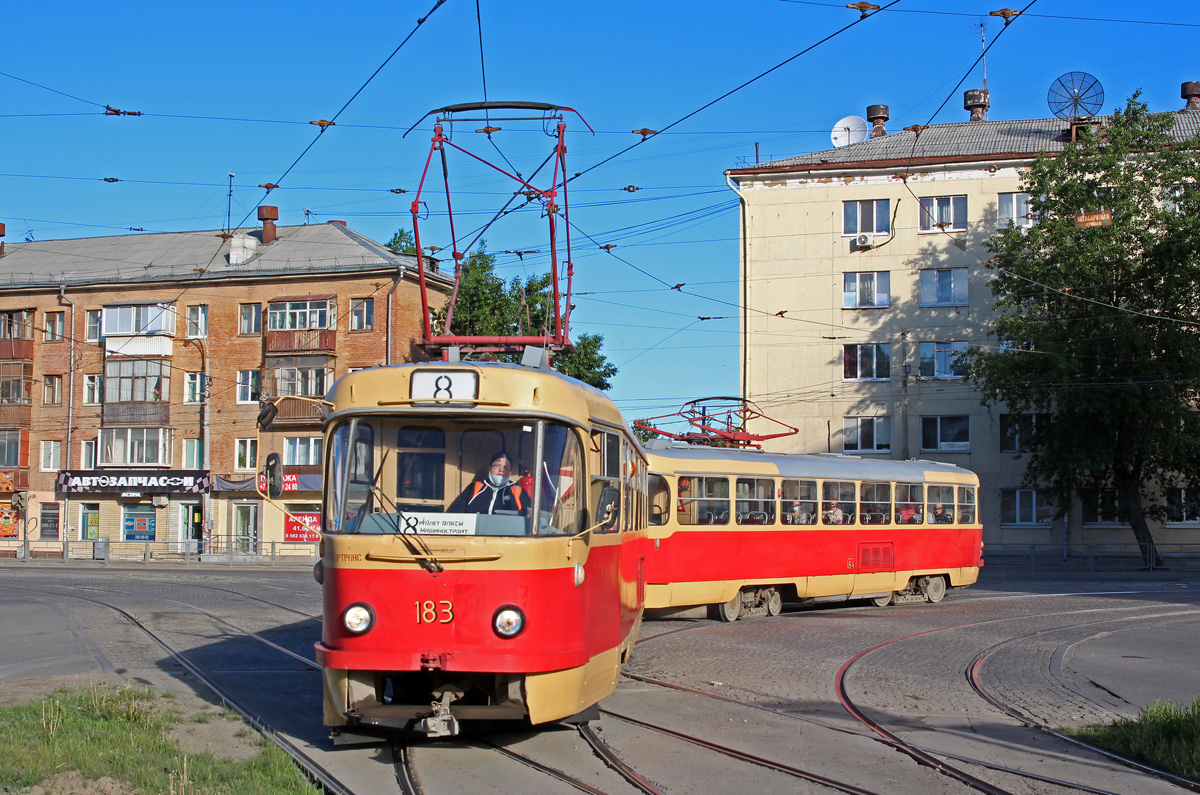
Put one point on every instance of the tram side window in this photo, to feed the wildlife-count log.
(420, 468)
(966, 504)
(606, 450)
(799, 501)
(703, 500)
(910, 499)
(755, 501)
(838, 506)
(562, 469)
(660, 500)
(940, 500)
(877, 503)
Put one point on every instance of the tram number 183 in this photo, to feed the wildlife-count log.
(430, 612)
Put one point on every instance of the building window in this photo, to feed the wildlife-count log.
(866, 362)
(362, 314)
(249, 386)
(1183, 506)
(862, 290)
(940, 359)
(944, 213)
(197, 321)
(302, 381)
(866, 434)
(193, 387)
(137, 522)
(246, 455)
(944, 287)
(16, 325)
(137, 380)
(134, 446)
(10, 448)
(87, 454)
(91, 325)
(945, 433)
(250, 319)
(1025, 506)
(302, 451)
(52, 390)
(1012, 209)
(51, 456)
(299, 315)
(1015, 430)
(139, 319)
(15, 383)
(54, 327)
(93, 383)
(193, 454)
(866, 216)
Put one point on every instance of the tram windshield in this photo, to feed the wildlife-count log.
(495, 478)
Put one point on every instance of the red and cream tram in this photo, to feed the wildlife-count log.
(742, 530)
(481, 557)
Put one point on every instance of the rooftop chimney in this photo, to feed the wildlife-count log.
(343, 223)
(877, 115)
(1191, 92)
(1, 241)
(268, 215)
(977, 101)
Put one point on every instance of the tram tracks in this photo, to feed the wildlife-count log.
(316, 771)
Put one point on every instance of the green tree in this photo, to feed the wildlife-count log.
(402, 242)
(486, 306)
(1100, 327)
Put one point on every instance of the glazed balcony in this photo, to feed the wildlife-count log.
(314, 340)
(156, 413)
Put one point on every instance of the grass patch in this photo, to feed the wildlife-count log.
(1166, 736)
(119, 732)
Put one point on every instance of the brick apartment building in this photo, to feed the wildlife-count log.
(131, 369)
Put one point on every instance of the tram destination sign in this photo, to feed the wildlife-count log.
(144, 481)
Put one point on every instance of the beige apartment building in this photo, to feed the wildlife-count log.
(863, 271)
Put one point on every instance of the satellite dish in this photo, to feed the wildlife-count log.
(850, 130)
(1074, 95)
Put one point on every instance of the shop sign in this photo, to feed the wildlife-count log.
(139, 528)
(91, 525)
(10, 521)
(141, 481)
(302, 527)
(7, 481)
(290, 482)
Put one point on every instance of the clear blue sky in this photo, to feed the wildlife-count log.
(231, 87)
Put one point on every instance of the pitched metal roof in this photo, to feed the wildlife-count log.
(969, 140)
(191, 256)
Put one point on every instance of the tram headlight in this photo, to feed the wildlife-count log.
(579, 574)
(508, 622)
(358, 618)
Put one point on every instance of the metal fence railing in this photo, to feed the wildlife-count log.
(230, 550)
(1092, 557)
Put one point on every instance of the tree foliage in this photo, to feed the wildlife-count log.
(487, 306)
(1100, 327)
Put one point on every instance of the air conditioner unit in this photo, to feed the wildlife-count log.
(865, 240)
(160, 500)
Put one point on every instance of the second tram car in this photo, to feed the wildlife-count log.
(742, 530)
(481, 558)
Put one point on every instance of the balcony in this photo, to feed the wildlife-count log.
(117, 414)
(316, 340)
(16, 348)
(298, 412)
(15, 414)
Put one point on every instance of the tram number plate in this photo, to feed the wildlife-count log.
(430, 612)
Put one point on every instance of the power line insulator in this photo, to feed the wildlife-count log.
(111, 179)
(863, 8)
(609, 246)
(645, 132)
(269, 186)
(488, 130)
(1007, 13)
(397, 190)
(630, 188)
(322, 123)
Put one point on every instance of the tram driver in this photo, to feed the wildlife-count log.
(494, 491)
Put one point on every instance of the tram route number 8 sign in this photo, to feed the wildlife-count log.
(441, 386)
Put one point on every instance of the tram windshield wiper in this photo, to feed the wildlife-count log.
(413, 540)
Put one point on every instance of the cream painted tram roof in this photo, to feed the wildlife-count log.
(695, 459)
(503, 388)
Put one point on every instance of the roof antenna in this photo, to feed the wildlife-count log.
(983, 44)
(229, 205)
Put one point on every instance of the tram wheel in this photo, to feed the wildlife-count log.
(774, 602)
(935, 589)
(885, 600)
(729, 611)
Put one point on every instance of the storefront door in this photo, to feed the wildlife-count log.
(245, 528)
(191, 527)
(89, 521)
